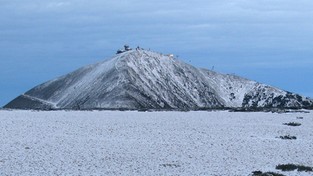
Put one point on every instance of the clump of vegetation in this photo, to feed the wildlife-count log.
(170, 165)
(259, 173)
(286, 167)
(288, 137)
(292, 124)
(293, 167)
(302, 168)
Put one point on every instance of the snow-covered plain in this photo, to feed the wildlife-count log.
(151, 143)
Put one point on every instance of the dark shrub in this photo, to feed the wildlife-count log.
(259, 173)
(286, 167)
(170, 165)
(292, 124)
(293, 167)
(304, 168)
(288, 137)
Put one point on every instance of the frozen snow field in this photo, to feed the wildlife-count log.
(151, 143)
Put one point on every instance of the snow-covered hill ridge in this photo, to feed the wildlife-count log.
(141, 79)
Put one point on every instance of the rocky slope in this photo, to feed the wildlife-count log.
(141, 79)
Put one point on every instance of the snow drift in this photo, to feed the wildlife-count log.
(141, 79)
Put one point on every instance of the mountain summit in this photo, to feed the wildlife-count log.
(141, 79)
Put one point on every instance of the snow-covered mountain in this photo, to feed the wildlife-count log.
(140, 79)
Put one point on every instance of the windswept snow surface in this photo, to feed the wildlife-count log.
(151, 143)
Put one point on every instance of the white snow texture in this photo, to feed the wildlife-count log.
(155, 143)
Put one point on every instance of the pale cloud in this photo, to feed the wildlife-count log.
(56, 5)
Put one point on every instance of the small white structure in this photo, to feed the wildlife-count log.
(171, 55)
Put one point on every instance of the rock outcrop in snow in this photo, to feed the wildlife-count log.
(141, 79)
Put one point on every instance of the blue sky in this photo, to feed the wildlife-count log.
(269, 41)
